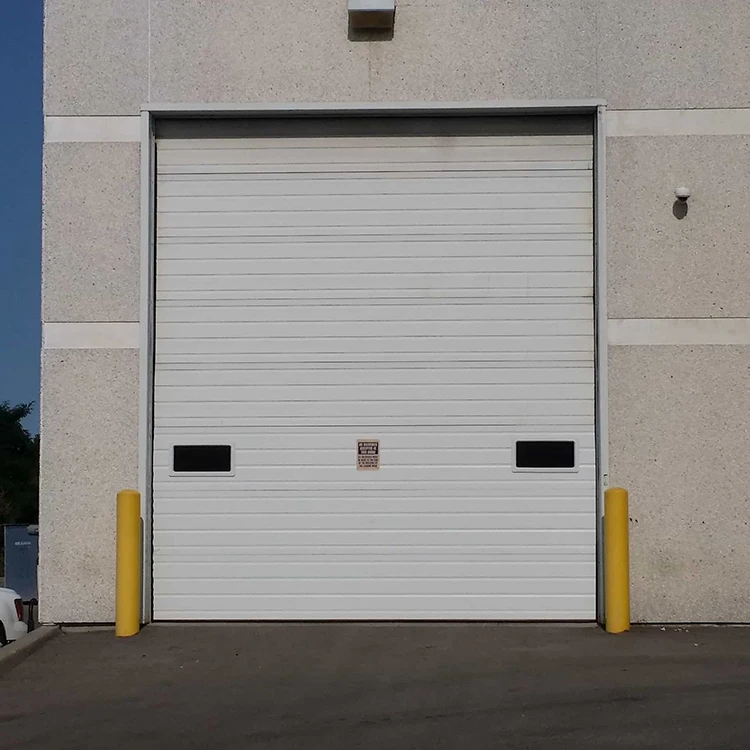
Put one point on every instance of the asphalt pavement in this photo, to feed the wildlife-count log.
(381, 686)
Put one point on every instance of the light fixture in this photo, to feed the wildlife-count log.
(682, 193)
(372, 14)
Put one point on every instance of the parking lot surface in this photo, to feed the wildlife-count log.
(381, 686)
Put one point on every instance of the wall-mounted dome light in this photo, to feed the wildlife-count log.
(372, 14)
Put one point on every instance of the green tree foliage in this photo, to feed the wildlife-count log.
(19, 466)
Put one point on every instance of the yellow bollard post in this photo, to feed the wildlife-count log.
(128, 601)
(616, 561)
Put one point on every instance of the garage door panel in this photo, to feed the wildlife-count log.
(376, 329)
(262, 450)
(326, 613)
(375, 345)
(382, 607)
(329, 297)
(344, 474)
(427, 217)
(307, 376)
(249, 461)
(432, 439)
(356, 501)
(357, 266)
(342, 169)
(364, 537)
(228, 312)
(433, 294)
(529, 282)
(372, 411)
(259, 492)
(373, 586)
(384, 392)
(508, 566)
(376, 485)
(289, 143)
(397, 553)
(285, 145)
(515, 423)
(325, 153)
(480, 183)
(569, 245)
(359, 520)
(518, 229)
(232, 207)
(354, 360)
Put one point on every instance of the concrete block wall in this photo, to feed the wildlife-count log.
(674, 76)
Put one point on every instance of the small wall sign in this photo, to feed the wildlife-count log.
(368, 454)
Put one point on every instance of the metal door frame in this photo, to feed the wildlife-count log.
(150, 113)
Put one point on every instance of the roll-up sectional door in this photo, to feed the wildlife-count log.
(374, 379)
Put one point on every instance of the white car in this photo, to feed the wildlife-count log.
(12, 626)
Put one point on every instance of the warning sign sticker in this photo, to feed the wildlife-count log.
(368, 454)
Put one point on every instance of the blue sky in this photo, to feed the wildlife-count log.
(20, 200)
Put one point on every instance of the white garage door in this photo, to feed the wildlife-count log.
(419, 304)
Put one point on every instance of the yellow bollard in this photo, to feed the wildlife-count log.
(128, 602)
(616, 561)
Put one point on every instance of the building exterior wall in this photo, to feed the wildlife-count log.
(673, 76)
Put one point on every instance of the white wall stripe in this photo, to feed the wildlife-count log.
(91, 335)
(622, 332)
(679, 331)
(92, 129)
(620, 123)
(677, 122)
